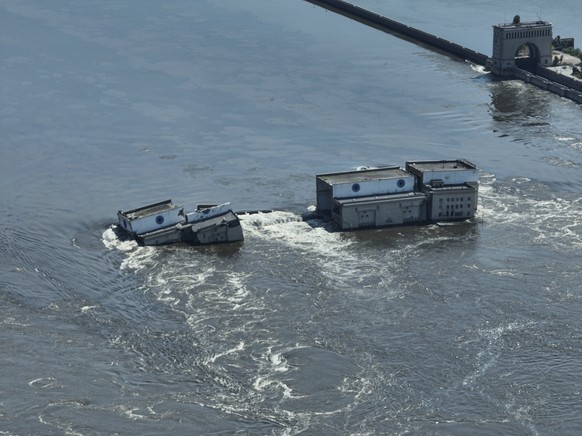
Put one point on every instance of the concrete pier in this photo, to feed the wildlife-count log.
(542, 77)
(391, 26)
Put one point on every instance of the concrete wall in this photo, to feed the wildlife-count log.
(154, 222)
(324, 196)
(379, 213)
(454, 177)
(556, 83)
(451, 205)
(560, 78)
(508, 39)
(373, 187)
(389, 25)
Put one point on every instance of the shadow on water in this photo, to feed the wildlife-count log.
(512, 101)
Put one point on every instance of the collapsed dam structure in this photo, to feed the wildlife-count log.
(510, 42)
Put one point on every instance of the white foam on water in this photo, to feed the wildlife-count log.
(111, 241)
(131, 413)
(272, 365)
(244, 361)
(565, 138)
(492, 347)
(278, 362)
(45, 383)
(239, 293)
(555, 222)
(288, 228)
(182, 275)
(239, 347)
(136, 257)
(88, 308)
(332, 252)
(228, 314)
(478, 68)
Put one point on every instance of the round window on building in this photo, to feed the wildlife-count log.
(400, 183)
(159, 220)
(356, 187)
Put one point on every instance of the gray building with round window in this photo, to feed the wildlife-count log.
(425, 191)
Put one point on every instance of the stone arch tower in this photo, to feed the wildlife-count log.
(526, 45)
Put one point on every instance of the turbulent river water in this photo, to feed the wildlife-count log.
(109, 105)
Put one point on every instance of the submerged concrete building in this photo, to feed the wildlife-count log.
(451, 188)
(424, 191)
(165, 223)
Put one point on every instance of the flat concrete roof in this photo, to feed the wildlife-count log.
(453, 188)
(229, 215)
(528, 24)
(364, 175)
(385, 198)
(150, 209)
(445, 165)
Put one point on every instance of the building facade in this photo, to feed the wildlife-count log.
(522, 44)
(425, 191)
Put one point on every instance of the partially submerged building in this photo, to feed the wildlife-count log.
(424, 191)
(452, 188)
(165, 223)
(369, 198)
